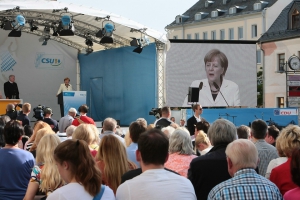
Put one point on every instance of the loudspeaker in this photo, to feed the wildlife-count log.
(193, 95)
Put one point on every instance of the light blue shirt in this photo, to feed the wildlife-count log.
(131, 149)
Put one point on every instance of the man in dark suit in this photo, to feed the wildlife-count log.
(11, 90)
(192, 121)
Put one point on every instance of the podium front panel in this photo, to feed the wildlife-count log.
(73, 99)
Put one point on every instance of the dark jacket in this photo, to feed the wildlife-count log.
(208, 170)
(11, 89)
(191, 122)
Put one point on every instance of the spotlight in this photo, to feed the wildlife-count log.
(17, 25)
(32, 27)
(66, 27)
(89, 50)
(55, 29)
(46, 38)
(140, 43)
(107, 32)
(6, 24)
(134, 42)
(88, 40)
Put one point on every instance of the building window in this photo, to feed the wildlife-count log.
(295, 19)
(232, 10)
(214, 13)
(222, 34)
(213, 35)
(258, 56)
(175, 37)
(231, 34)
(254, 31)
(204, 35)
(188, 36)
(280, 102)
(241, 33)
(197, 36)
(281, 61)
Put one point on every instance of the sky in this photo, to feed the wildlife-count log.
(155, 14)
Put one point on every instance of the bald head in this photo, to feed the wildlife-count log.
(109, 124)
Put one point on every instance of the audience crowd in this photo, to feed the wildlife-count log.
(71, 159)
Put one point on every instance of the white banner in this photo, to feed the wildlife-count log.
(39, 69)
(286, 111)
(293, 83)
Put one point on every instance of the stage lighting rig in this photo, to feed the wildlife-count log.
(89, 50)
(140, 43)
(65, 25)
(106, 32)
(32, 26)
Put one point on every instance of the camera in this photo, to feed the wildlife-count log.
(156, 112)
(38, 112)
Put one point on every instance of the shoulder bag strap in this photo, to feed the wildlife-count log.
(100, 194)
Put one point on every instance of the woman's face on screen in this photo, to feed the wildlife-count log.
(214, 70)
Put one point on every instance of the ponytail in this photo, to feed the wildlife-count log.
(82, 164)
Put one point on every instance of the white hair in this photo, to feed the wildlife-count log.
(221, 131)
(168, 131)
(70, 130)
(180, 141)
(242, 153)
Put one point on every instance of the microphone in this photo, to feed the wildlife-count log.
(218, 88)
(200, 86)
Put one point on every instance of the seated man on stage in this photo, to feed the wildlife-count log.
(11, 90)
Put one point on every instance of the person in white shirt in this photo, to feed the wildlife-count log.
(78, 169)
(66, 86)
(155, 182)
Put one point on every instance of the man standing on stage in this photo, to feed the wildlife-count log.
(11, 90)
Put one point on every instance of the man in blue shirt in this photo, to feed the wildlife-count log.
(242, 159)
(135, 130)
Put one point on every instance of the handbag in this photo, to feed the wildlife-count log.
(100, 194)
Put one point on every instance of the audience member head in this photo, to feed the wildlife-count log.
(4, 119)
(202, 141)
(72, 112)
(180, 142)
(136, 129)
(96, 138)
(83, 109)
(28, 130)
(42, 132)
(44, 154)
(70, 130)
(2, 140)
(26, 108)
(109, 124)
(241, 153)
(37, 126)
(153, 147)
(166, 112)
(289, 139)
(169, 130)
(222, 131)
(202, 126)
(84, 132)
(272, 134)
(172, 119)
(143, 121)
(48, 112)
(182, 122)
(10, 107)
(113, 153)
(197, 109)
(74, 161)
(243, 132)
(150, 126)
(127, 139)
(13, 132)
(259, 129)
(295, 166)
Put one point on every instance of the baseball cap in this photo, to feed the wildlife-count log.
(72, 110)
(48, 110)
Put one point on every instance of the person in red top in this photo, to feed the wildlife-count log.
(288, 140)
(83, 119)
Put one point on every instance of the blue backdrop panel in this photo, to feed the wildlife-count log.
(244, 116)
(120, 83)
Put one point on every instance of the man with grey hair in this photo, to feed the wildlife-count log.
(67, 120)
(211, 169)
(242, 158)
(266, 152)
(109, 128)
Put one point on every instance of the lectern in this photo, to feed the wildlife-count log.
(70, 99)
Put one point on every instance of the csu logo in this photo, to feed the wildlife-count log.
(54, 61)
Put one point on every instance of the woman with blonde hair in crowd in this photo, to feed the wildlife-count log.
(40, 133)
(112, 161)
(288, 139)
(78, 169)
(37, 126)
(180, 152)
(86, 133)
(202, 143)
(96, 139)
(45, 176)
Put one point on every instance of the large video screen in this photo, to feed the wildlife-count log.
(225, 73)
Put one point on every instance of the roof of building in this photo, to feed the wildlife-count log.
(243, 7)
(280, 28)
